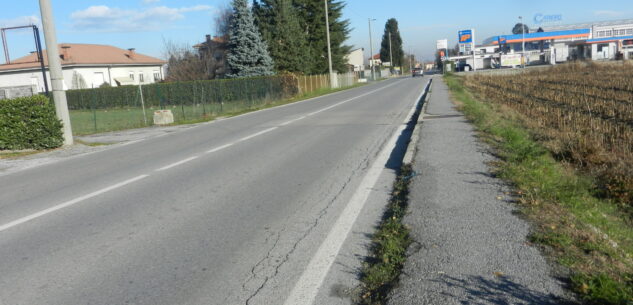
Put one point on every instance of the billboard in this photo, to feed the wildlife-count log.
(442, 44)
(466, 36)
(511, 60)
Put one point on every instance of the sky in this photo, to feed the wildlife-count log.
(147, 24)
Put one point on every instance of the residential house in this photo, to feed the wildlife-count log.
(355, 60)
(214, 51)
(85, 66)
(376, 60)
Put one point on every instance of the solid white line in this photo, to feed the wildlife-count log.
(257, 134)
(69, 203)
(306, 289)
(177, 163)
(219, 148)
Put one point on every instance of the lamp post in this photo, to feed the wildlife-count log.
(371, 50)
(522, 41)
(55, 68)
(390, 53)
(333, 79)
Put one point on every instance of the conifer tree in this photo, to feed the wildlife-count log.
(312, 17)
(280, 27)
(247, 54)
(396, 44)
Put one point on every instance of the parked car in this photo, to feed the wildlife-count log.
(463, 66)
(417, 72)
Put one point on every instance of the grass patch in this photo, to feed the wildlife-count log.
(390, 245)
(590, 236)
(92, 144)
(85, 122)
(8, 155)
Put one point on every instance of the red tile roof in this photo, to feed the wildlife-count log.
(86, 54)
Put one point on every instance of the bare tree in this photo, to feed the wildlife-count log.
(222, 21)
(185, 63)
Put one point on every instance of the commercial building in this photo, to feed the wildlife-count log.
(555, 44)
(85, 66)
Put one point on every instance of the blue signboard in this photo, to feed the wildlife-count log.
(466, 36)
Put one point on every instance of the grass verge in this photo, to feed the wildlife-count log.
(380, 273)
(589, 236)
(8, 155)
(86, 122)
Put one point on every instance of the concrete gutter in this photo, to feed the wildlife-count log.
(415, 136)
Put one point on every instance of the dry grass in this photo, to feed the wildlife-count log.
(583, 114)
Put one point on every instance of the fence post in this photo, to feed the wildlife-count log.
(94, 109)
(140, 90)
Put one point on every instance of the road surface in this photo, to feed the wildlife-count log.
(231, 212)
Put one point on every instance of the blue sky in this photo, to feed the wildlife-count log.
(146, 24)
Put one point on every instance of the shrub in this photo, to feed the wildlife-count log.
(166, 94)
(29, 123)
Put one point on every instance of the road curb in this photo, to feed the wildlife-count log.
(415, 136)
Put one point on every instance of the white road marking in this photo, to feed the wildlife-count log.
(257, 134)
(177, 163)
(306, 289)
(219, 148)
(69, 203)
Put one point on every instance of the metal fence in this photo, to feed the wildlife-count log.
(116, 108)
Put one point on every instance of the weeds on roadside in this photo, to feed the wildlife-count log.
(390, 245)
(592, 237)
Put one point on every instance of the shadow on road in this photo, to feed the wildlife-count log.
(500, 290)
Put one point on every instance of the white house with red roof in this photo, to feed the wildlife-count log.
(86, 66)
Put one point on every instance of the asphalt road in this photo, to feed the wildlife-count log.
(231, 212)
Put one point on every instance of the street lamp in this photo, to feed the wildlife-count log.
(522, 41)
(371, 50)
(333, 78)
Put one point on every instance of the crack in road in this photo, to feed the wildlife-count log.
(364, 164)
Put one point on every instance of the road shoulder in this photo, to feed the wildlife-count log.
(468, 244)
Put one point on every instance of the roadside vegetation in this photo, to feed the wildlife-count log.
(390, 242)
(110, 109)
(29, 123)
(563, 137)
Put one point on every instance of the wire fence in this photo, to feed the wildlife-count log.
(116, 108)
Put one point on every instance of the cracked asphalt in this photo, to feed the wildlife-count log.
(469, 246)
(228, 212)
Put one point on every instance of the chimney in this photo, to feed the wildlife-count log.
(208, 38)
(132, 53)
(65, 55)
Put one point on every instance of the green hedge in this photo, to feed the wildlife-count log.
(29, 123)
(162, 95)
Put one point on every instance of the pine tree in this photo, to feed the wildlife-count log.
(279, 24)
(312, 18)
(247, 54)
(396, 44)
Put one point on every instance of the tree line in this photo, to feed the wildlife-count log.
(265, 38)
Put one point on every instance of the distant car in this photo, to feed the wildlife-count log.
(462, 66)
(417, 72)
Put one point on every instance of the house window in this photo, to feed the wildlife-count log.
(600, 34)
(629, 31)
(620, 32)
(156, 76)
(141, 78)
(608, 33)
(132, 75)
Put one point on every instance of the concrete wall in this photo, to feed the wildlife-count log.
(17, 91)
(91, 75)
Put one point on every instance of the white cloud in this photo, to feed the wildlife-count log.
(19, 21)
(607, 13)
(107, 19)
